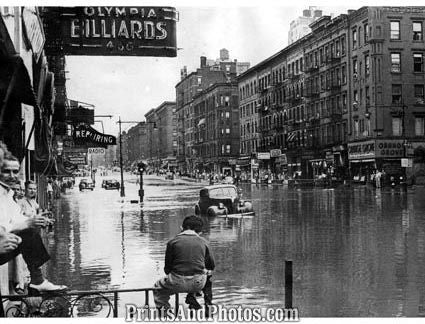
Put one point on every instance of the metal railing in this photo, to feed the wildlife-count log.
(71, 303)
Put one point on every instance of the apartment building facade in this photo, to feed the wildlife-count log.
(216, 135)
(344, 100)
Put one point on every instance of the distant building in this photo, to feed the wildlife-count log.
(223, 70)
(161, 136)
(216, 128)
(300, 26)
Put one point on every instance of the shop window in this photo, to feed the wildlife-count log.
(396, 94)
(417, 31)
(418, 64)
(419, 126)
(397, 126)
(395, 63)
(395, 30)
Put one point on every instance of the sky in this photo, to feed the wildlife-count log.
(131, 86)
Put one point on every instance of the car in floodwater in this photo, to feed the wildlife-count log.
(86, 184)
(110, 184)
(222, 199)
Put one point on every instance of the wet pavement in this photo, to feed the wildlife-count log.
(355, 251)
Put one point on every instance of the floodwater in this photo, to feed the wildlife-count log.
(355, 251)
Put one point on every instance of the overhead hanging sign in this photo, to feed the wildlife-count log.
(122, 31)
(85, 133)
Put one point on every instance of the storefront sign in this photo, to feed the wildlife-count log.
(263, 155)
(232, 161)
(389, 148)
(361, 150)
(123, 31)
(96, 150)
(84, 133)
(376, 149)
(76, 158)
(33, 30)
(275, 153)
(407, 163)
(282, 159)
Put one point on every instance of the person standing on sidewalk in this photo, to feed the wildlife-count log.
(188, 258)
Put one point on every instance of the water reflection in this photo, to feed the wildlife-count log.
(356, 251)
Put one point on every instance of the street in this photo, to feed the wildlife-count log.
(356, 251)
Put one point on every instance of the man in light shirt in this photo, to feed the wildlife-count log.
(13, 224)
(28, 204)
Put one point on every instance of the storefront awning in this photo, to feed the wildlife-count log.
(15, 82)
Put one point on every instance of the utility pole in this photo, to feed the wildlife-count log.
(122, 189)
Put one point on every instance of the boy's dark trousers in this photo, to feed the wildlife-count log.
(207, 291)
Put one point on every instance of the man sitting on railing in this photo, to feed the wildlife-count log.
(13, 223)
(188, 259)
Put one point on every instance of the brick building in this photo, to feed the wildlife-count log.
(216, 131)
(161, 134)
(210, 72)
(345, 100)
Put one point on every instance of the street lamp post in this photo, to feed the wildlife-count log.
(122, 190)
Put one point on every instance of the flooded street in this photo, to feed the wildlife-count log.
(355, 251)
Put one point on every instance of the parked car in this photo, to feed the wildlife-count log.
(86, 184)
(110, 184)
(222, 199)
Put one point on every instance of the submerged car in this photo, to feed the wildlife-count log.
(222, 199)
(110, 184)
(86, 184)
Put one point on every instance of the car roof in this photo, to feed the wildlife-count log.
(218, 186)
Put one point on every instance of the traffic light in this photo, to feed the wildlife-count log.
(141, 167)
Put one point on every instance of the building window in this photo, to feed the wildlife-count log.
(227, 130)
(356, 128)
(367, 95)
(342, 45)
(395, 30)
(344, 102)
(417, 31)
(366, 65)
(227, 149)
(355, 100)
(354, 38)
(419, 93)
(418, 63)
(344, 74)
(396, 93)
(395, 63)
(419, 126)
(227, 114)
(366, 33)
(355, 69)
(397, 126)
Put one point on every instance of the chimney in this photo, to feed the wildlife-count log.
(183, 72)
(317, 13)
(350, 11)
(203, 61)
